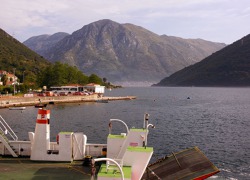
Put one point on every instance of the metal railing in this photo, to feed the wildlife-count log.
(6, 129)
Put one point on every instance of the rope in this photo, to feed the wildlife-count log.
(93, 169)
(153, 173)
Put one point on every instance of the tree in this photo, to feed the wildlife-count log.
(4, 79)
(104, 80)
(93, 78)
(61, 74)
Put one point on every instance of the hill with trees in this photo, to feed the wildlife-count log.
(15, 55)
(60, 74)
(33, 70)
(227, 67)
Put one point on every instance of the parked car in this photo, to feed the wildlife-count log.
(49, 93)
(78, 93)
(63, 94)
(41, 94)
(85, 93)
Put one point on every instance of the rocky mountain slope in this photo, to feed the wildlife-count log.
(43, 43)
(127, 53)
(227, 67)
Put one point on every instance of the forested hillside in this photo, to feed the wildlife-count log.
(33, 70)
(227, 67)
(14, 54)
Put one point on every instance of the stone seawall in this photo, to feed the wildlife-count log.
(30, 101)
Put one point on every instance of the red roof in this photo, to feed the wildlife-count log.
(93, 84)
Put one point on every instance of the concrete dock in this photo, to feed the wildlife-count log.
(15, 101)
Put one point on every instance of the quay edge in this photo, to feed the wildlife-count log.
(31, 101)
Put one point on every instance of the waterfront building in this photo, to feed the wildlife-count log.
(11, 78)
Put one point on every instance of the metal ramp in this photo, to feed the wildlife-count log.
(5, 131)
(185, 165)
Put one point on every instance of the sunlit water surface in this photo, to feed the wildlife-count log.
(217, 120)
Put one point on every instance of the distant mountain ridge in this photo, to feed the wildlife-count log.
(42, 43)
(126, 52)
(227, 67)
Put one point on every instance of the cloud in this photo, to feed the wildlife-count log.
(193, 18)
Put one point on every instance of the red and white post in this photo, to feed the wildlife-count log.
(41, 142)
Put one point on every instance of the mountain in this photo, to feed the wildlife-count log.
(42, 43)
(127, 53)
(14, 54)
(227, 67)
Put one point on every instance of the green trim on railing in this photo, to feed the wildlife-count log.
(138, 130)
(114, 173)
(66, 132)
(140, 149)
(116, 136)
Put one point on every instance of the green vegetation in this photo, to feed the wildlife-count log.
(57, 74)
(14, 55)
(60, 74)
(33, 71)
(227, 67)
(4, 79)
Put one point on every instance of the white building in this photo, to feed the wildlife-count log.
(95, 88)
(11, 78)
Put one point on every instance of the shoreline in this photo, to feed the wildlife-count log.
(31, 101)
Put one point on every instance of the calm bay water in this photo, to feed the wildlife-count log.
(217, 120)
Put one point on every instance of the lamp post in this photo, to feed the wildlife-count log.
(14, 69)
(23, 76)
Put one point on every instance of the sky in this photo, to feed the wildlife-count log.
(223, 21)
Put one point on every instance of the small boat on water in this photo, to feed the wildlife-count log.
(125, 156)
(40, 105)
(17, 108)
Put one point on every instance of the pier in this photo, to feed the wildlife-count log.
(6, 102)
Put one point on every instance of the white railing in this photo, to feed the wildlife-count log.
(118, 120)
(113, 161)
(6, 129)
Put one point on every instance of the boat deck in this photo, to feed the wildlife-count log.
(24, 168)
(185, 165)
